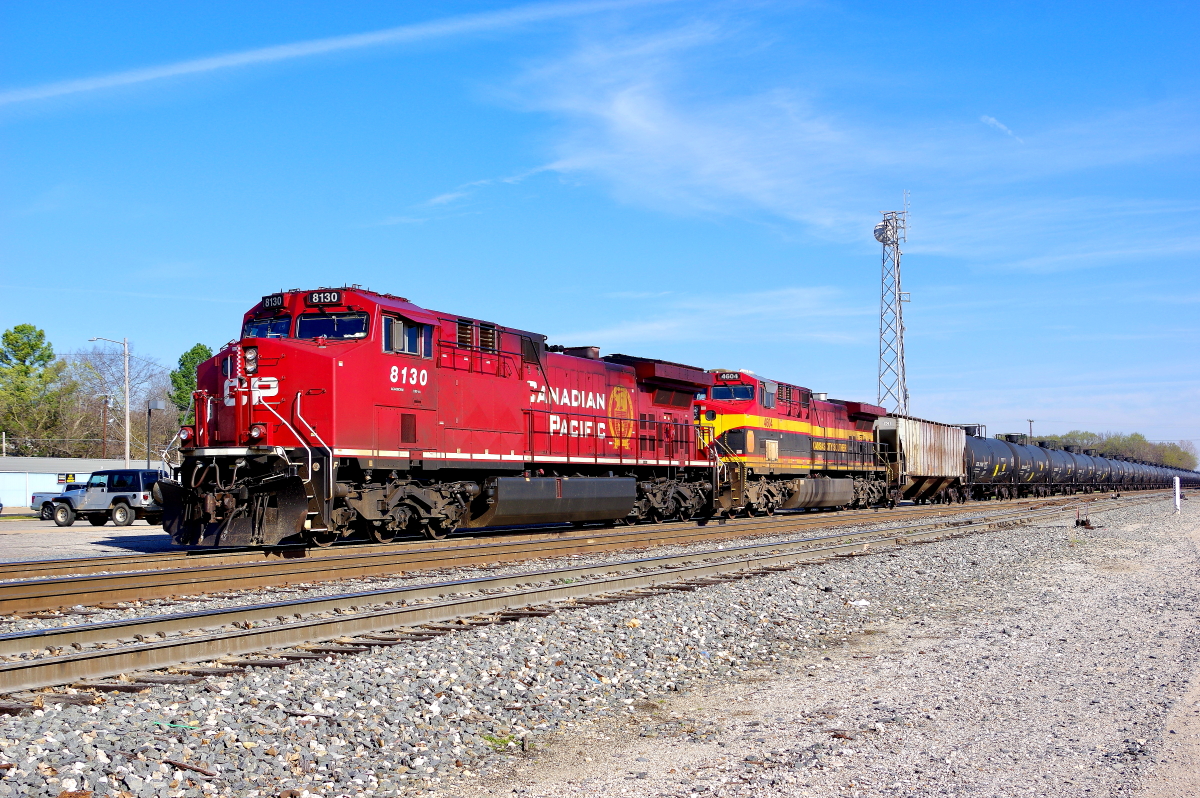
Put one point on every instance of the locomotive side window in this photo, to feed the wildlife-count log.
(768, 394)
(728, 393)
(338, 326)
(276, 327)
(404, 336)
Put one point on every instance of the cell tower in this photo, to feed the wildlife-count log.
(893, 388)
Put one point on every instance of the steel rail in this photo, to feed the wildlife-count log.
(79, 566)
(36, 595)
(233, 556)
(60, 669)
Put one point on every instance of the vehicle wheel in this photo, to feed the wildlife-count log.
(97, 520)
(154, 520)
(122, 515)
(63, 514)
(47, 513)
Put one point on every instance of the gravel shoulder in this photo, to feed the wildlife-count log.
(1064, 666)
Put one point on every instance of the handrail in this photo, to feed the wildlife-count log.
(329, 470)
(292, 430)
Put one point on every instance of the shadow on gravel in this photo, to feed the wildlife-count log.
(152, 542)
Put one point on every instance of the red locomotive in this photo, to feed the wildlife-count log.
(348, 413)
(345, 412)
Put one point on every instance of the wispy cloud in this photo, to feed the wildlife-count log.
(638, 114)
(468, 189)
(443, 28)
(992, 121)
(450, 196)
(784, 315)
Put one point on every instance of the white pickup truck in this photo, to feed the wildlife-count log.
(44, 502)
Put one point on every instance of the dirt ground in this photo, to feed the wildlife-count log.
(1082, 680)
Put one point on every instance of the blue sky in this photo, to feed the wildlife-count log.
(695, 181)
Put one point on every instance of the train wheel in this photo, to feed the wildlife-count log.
(323, 537)
(439, 530)
(381, 534)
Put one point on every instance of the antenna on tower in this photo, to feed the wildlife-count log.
(893, 388)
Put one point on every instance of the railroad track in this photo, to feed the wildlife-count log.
(219, 574)
(407, 614)
(44, 569)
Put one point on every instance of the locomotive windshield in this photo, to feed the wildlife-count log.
(276, 327)
(332, 325)
(729, 393)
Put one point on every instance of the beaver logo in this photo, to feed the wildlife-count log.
(621, 417)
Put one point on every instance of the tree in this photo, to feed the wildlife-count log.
(1109, 444)
(34, 391)
(183, 379)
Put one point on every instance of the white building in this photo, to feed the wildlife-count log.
(20, 477)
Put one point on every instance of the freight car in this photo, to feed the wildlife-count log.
(1009, 467)
(934, 462)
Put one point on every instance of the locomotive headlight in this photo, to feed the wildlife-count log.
(258, 432)
(185, 434)
(251, 359)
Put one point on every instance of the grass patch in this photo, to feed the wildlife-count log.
(499, 743)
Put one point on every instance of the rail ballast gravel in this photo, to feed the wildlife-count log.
(648, 573)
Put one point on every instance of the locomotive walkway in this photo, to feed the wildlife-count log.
(411, 614)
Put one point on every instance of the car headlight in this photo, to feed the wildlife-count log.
(251, 359)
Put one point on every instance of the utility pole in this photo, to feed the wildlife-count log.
(124, 342)
(104, 408)
(893, 384)
(156, 404)
(1030, 420)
